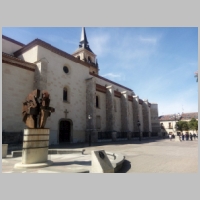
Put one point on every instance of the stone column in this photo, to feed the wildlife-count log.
(110, 113)
(41, 75)
(145, 116)
(124, 111)
(155, 123)
(135, 108)
(91, 109)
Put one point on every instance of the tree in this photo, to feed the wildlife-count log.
(193, 124)
(182, 126)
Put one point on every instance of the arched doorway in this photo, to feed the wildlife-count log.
(64, 131)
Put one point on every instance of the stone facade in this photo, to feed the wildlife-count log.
(40, 65)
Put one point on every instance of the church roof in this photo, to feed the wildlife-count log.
(12, 40)
(51, 48)
(9, 59)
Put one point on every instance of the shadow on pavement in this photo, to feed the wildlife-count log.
(88, 163)
(14, 147)
(125, 167)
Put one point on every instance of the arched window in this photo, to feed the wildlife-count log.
(65, 94)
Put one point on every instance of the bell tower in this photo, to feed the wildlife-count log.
(85, 54)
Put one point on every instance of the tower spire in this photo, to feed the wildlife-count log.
(83, 41)
(83, 37)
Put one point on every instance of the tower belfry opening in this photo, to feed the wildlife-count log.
(85, 53)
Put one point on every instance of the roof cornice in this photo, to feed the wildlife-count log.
(50, 48)
(12, 40)
(6, 58)
(105, 79)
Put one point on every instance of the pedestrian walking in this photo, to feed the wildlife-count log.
(180, 137)
(183, 136)
(194, 136)
(190, 136)
(187, 136)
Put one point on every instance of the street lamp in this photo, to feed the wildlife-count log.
(176, 117)
(138, 123)
(89, 117)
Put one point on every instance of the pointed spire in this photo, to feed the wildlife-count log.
(83, 37)
(83, 42)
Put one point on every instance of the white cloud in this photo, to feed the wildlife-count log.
(114, 77)
(148, 40)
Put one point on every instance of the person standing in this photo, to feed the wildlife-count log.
(191, 136)
(170, 136)
(180, 137)
(183, 136)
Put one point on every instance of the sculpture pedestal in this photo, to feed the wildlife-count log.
(35, 149)
(4, 150)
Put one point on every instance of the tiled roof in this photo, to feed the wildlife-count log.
(183, 116)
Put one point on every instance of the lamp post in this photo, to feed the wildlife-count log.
(138, 123)
(176, 117)
(89, 140)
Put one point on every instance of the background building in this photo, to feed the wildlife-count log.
(85, 103)
(168, 122)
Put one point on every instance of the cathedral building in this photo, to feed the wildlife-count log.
(86, 104)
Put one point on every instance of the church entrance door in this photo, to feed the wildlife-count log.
(64, 131)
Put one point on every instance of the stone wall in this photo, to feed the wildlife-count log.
(110, 115)
(154, 118)
(124, 112)
(17, 83)
(135, 111)
(145, 117)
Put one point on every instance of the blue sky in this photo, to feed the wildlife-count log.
(158, 64)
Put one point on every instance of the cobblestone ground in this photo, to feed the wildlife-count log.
(147, 156)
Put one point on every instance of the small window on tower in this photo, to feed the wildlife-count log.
(65, 94)
(97, 102)
(89, 59)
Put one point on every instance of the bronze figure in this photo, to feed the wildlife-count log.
(35, 112)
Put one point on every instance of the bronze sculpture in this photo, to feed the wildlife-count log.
(35, 112)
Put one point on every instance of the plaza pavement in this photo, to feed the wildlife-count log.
(146, 156)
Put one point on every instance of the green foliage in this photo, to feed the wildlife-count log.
(193, 124)
(182, 126)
